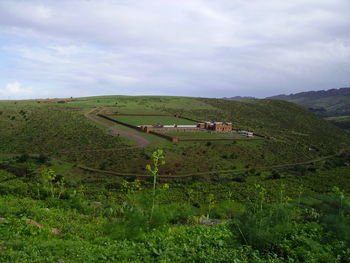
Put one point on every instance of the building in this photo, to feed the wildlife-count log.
(146, 128)
(216, 126)
(246, 133)
(219, 127)
(222, 127)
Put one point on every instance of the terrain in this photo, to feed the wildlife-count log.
(75, 187)
(298, 135)
(326, 103)
(333, 104)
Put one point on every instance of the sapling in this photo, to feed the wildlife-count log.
(157, 159)
(261, 195)
(131, 188)
(339, 193)
(211, 203)
(51, 181)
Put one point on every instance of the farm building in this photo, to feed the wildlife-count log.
(146, 128)
(216, 126)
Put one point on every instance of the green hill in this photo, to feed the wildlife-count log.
(326, 103)
(273, 200)
(30, 128)
(298, 135)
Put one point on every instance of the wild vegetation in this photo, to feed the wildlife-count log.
(279, 200)
(342, 122)
(153, 120)
(50, 129)
(264, 217)
(325, 103)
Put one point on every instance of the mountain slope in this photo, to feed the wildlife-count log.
(326, 103)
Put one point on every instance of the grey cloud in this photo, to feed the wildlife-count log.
(195, 47)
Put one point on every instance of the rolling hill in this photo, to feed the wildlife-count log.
(298, 134)
(96, 202)
(325, 103)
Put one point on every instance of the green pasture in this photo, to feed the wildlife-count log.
(153, 120)
(207, 135)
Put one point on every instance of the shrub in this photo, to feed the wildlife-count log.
(227, 209)
(264, 229)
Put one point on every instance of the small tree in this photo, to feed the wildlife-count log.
(157, 159)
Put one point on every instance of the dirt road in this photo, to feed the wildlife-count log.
(141, 142)
(91, 115)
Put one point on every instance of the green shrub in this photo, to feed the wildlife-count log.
(227, 209)
(264, 229)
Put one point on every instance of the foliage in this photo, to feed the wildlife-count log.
(51, 129)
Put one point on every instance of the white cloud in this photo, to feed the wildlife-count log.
(16, 90)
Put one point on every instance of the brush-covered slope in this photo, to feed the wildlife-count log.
(279, 119)
(326, 103)
(298, 134)
(28, 128)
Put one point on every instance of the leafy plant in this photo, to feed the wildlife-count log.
(52, 182)
(157, 159)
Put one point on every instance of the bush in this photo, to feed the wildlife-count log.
(227, 209)
(274, 175)
(264, 229)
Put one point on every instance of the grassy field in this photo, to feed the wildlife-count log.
(153, 120)
(207, 135)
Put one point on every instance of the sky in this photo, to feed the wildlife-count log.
(202, 48)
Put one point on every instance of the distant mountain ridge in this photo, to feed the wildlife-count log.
(239, 98)
(313, 94)
(325, 103)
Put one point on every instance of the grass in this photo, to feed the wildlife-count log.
(51, 129)
(341, 121)
(104, 219)
(96, 224)
(60, 127)
(325, 104)
(153, 120)
(207, 135)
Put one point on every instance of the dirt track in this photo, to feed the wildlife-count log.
(141, 142)
(91, 115)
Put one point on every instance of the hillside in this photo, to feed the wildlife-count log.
(30, 128)
(326, 103)
(298, 135)
(298, 215)
(74, 186)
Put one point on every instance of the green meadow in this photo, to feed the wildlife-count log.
(153, 120)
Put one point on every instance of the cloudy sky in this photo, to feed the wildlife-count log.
(185, 47)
